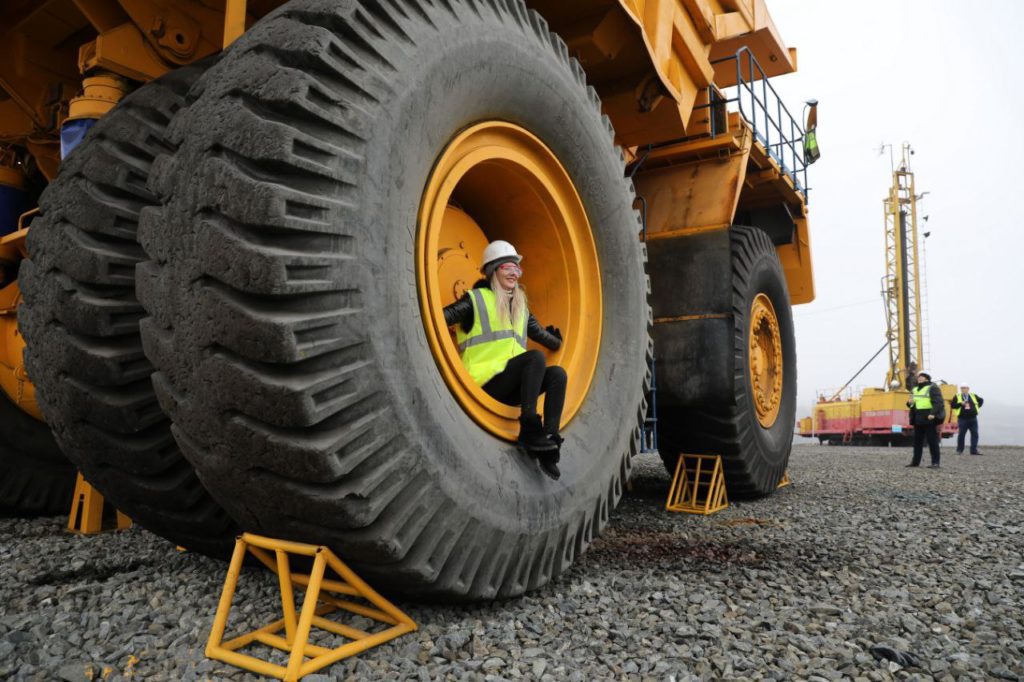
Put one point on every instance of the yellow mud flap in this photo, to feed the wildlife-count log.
(698, 486)
(323, 596)
(86, 516)
(785, 480)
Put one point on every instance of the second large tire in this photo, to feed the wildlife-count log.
(80, 319)
(285, 317)
(754, 456)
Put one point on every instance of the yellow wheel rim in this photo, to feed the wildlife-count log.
(496, 180)
(765, 360)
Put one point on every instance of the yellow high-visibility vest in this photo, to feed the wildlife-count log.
(922, 401)
(488, 346)
(974, 399)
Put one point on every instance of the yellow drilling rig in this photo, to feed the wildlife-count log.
(880, 416)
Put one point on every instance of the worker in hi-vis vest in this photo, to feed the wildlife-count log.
(927, 412)
(494, 323)
(966, 406)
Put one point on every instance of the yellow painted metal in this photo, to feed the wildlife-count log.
(766, 366)
(797, 264)
(13, 379)
(100, 94)
(158, 36)
(234, 20)
(650, 59)
(509, 186)
(698, 485)
(785, 480)
(297, 626)
(122, 50)
(695, 186)
(11, 176)
(86, 516)
(699, 186)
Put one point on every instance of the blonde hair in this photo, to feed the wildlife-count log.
(506, 313)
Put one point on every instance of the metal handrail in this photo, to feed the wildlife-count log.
(781, 135)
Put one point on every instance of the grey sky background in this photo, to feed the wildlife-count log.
(948, 77)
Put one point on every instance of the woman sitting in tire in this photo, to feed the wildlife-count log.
(494, 324)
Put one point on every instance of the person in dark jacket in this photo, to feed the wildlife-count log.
(927, 412)
(966, 406)
(493, 324)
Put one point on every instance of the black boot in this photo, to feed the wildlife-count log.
(549, 460)
(532, 437)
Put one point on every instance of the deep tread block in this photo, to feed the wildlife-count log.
(81, 322)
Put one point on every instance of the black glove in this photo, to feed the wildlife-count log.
(554, 331)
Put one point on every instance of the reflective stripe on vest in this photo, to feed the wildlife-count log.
(488, 346)
(811, 152)
(974, 399)
(922, 399)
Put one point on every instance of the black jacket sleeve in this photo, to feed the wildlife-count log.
(938, 404)
(981, 401)
(955, 402)
(460, 312)
(542, 336)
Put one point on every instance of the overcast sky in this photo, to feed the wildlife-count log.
(948, 77)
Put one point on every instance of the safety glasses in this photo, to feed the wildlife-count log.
(510, 268)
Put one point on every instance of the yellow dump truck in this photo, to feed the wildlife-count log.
(250, 216)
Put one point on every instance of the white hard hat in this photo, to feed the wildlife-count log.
(499, 250)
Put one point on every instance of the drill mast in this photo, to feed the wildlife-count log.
(902, 282)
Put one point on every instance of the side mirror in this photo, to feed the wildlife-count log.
(811, 151)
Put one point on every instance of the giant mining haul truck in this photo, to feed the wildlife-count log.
(231, 227)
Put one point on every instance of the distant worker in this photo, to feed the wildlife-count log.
(927, 411)
(494, 323)
(966, 407)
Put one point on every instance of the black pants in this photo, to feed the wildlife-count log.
(522, 381)
(970, 424)
(923, 432)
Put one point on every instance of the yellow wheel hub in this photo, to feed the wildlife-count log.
(765, 360)
(496, 180)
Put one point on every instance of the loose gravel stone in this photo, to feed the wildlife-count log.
(858, 554)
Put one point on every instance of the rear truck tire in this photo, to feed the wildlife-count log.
(722, 415)
(35, 476)
(81, 322)
(286, 317)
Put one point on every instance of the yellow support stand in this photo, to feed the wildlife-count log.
(785, 480)
(698, 486)
(86, 516)
(323, 596)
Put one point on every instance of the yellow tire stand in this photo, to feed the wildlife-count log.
(86, 516)
(698, 486)
(323, 596)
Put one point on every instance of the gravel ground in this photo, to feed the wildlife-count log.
(860, 561)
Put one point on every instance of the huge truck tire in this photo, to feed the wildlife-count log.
(753, 432)
(35, 476)
(289, 325)
(81, 318)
